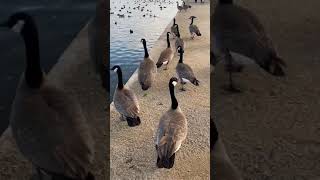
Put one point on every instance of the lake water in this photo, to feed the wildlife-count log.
(126, 49)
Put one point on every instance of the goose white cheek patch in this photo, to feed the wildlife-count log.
(174, 83)
(18, 26)
(166, 62)
(115, 70)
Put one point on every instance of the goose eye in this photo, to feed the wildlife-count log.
(174, 83)
(115, 70)
(18, 26)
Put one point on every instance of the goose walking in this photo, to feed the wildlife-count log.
(174, 28)
(172, 131)
(179, 7)
(194, 30)
(125, 101)
(238, 30)
(185, 72)
(221, 163)
(166, 55)
(47, 124)
(179, 41)
(147, 69)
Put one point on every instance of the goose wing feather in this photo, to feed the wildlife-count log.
(147, 70)
(166, 55)
(185, 71)
(126, 102)
(172, 131)
(51, 130)
(240, 31)
(194, 29)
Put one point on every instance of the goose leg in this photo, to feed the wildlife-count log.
(231, 87)
(182, 85)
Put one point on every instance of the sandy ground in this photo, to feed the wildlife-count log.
(133, 154)
(272, 130)
(73, 72)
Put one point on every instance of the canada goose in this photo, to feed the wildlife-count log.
(237, 29)
(47, 124)
(125, 101)
(179, 41)
(223, 168)
(166, 55)
(147, 69)
(184, 71)
(172, 131)
(174, 28)
(193, 28)
(179, 7)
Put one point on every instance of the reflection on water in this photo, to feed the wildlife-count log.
(126, 49)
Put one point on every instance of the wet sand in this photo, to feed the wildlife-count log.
(133, 154)
(272, 130)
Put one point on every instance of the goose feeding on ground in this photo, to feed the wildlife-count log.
(166, 55)
(172, 131)
(236, 29)
(125, 101)
(194, 30)
(147, 69)
(47, 124)
(179, 41)
(179, 7)
(184, 71)
(174, 28)
(221, 163)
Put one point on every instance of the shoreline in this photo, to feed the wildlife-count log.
(132, 149)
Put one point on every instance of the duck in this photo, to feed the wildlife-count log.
(179, 41)
(126, 101)
(179, 7)
(48, 124)
(236, 29)
(184, 71)
(172, 131)
(166, 55)
(147, 69)
(221, 162)
(194, 30)
(174, 28)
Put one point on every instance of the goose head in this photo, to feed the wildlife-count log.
(173, 82)
(180, 50)
(192, 17)
(18, 22)
(115, 68)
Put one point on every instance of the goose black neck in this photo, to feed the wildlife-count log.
(181, 57)
(168, 41)
(178, 32)
(174, 21)
(33, 72)
(120, 83)
(146, 54)
(174, 102)
(225, 1)
(191, 21)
